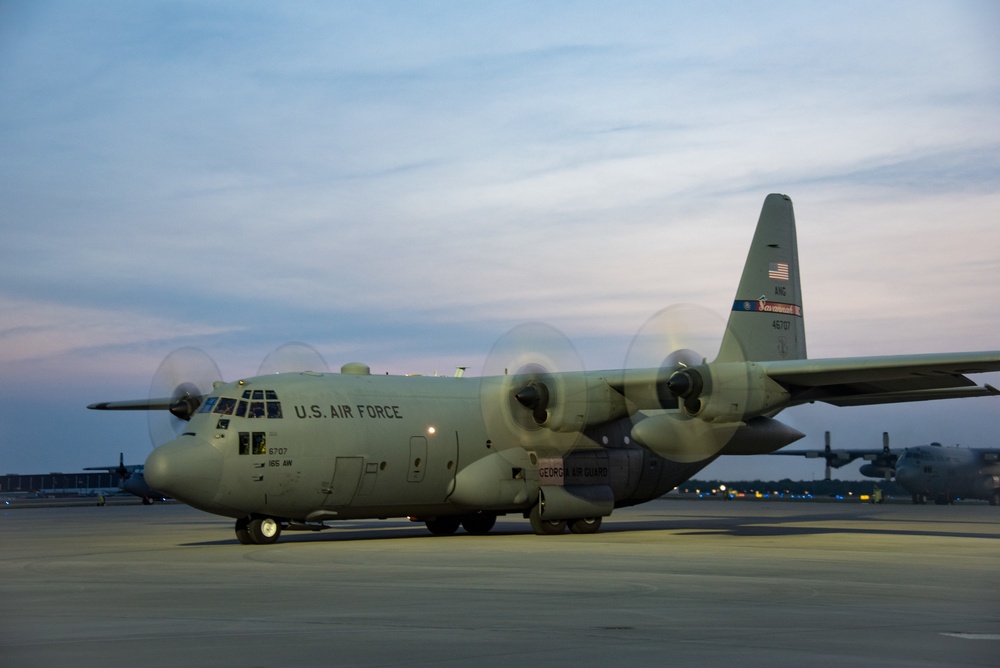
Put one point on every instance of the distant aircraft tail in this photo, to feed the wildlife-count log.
(766, 321)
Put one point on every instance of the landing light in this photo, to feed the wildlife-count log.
(431, 430)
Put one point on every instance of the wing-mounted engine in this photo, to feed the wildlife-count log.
(688, 409)
(882, 465)
(568, 402)
(534, 392)
(727, 391)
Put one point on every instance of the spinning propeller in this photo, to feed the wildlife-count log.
(534, 389)
(669, 382)
(291, 357)
(180, 384)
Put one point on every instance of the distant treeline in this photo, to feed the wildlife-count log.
(787, 487)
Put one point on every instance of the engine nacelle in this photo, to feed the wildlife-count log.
(573, 402)
(728, 392)
(986, 486)
(877, 471)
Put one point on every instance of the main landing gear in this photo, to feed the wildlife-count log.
(544, 527)
(257, 530)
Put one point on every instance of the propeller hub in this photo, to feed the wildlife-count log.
(686, 383)
(535, 397)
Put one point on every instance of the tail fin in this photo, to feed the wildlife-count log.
(766, 321)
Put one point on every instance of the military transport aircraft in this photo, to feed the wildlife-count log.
(881, 463)
(292, 451)
(925, 471)
(131, 480)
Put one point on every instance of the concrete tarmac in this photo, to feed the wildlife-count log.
(680, 583)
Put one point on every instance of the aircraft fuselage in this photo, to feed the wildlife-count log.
(310, 447)
(944, 474)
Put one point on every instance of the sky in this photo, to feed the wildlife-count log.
(401, 183)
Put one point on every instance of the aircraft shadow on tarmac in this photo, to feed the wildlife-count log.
(737, 526)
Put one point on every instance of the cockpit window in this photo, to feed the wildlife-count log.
(252, 405)
(225, 406)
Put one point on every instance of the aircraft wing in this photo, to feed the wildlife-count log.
(859, 381)
(134, 405)
(839, 457)
(182, 406)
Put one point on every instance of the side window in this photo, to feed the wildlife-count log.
(208, 405)
(244, 443)
(259, 443)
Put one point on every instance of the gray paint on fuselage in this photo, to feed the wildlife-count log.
(344, 449)
(933, 471)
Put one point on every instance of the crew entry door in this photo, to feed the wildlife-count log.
(432, 466)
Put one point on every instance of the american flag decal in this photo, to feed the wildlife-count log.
(777, 270)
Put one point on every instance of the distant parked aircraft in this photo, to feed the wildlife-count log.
(131, 479)
(925, 471)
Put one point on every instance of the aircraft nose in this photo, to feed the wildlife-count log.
(188, 469)
(905, 475)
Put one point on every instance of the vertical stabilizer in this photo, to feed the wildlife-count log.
(766, 321)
